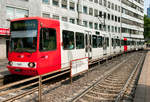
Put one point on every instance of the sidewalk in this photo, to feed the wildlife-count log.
(3, 69)
(143, 88)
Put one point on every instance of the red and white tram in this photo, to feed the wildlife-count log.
(42, 45)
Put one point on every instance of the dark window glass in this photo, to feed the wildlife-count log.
(118, 42)
(68, 40)
(108, 16)
(94, 39)
(105, 15)
(45, 1)
(99, 41)
(122, 42)
(79, 40)
(112, 17)
(112, 42)
(116, 18)
(56, 2)
(64, 3)
(107, 39)
(47, 39)
(100, 14)
(125, 43)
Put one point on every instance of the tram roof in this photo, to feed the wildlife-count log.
(32, 18)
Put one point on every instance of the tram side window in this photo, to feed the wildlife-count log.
(68, 40)
(107, 39)
(112, 41)
(122, 42)
(118, 42)
(94, 38)
(79, 40)
(125, 43)
(47, 39)
(99, 41)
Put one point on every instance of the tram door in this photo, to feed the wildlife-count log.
(88, 45)
(104, 45)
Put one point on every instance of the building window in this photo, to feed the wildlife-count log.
(85, 24)
(72, 20)
(68, 40)
(100, 14)
(109, 5)
(116, 7)
(100, 26)
(95, 13)
(100, 2)
(116, 29)
(112, 6)
(64, 19)
(47, 39)
(112, 17)
(91, 11)
(85, 9)
(90, 24)
(55, 2)
(72, 6)
(46, 15)
(112, 28)
(45, 1)
(56, 17)
(79, 40)
(96, 26)
(116, 18)
(105, 15)
(96, 1)
(105, 3)
(108, 28)
(16, 13)
(119, 29)
(64, 3)
(105, 27)
(108, 16)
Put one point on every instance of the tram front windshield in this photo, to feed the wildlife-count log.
(24, 36)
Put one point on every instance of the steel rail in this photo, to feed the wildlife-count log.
(120, 95)
(20, 88)
(55, 76)
(31, 91)
(106, 74)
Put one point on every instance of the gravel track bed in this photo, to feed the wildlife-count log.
(122, 74)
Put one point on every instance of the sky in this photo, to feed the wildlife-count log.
(146, 5)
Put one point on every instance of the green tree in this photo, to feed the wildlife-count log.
(146, 27)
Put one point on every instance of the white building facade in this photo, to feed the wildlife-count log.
(109, 17)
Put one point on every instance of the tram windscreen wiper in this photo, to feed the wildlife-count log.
(25, 50)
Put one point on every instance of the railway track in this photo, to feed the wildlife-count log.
(56, 85)
(117, 85)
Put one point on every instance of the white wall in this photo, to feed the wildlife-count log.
(2, 48)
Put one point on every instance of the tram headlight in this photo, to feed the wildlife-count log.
(10, 63)
(31, 65)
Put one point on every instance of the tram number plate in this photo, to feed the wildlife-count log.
(18, 70)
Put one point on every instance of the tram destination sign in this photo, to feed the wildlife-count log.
(78, 66)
